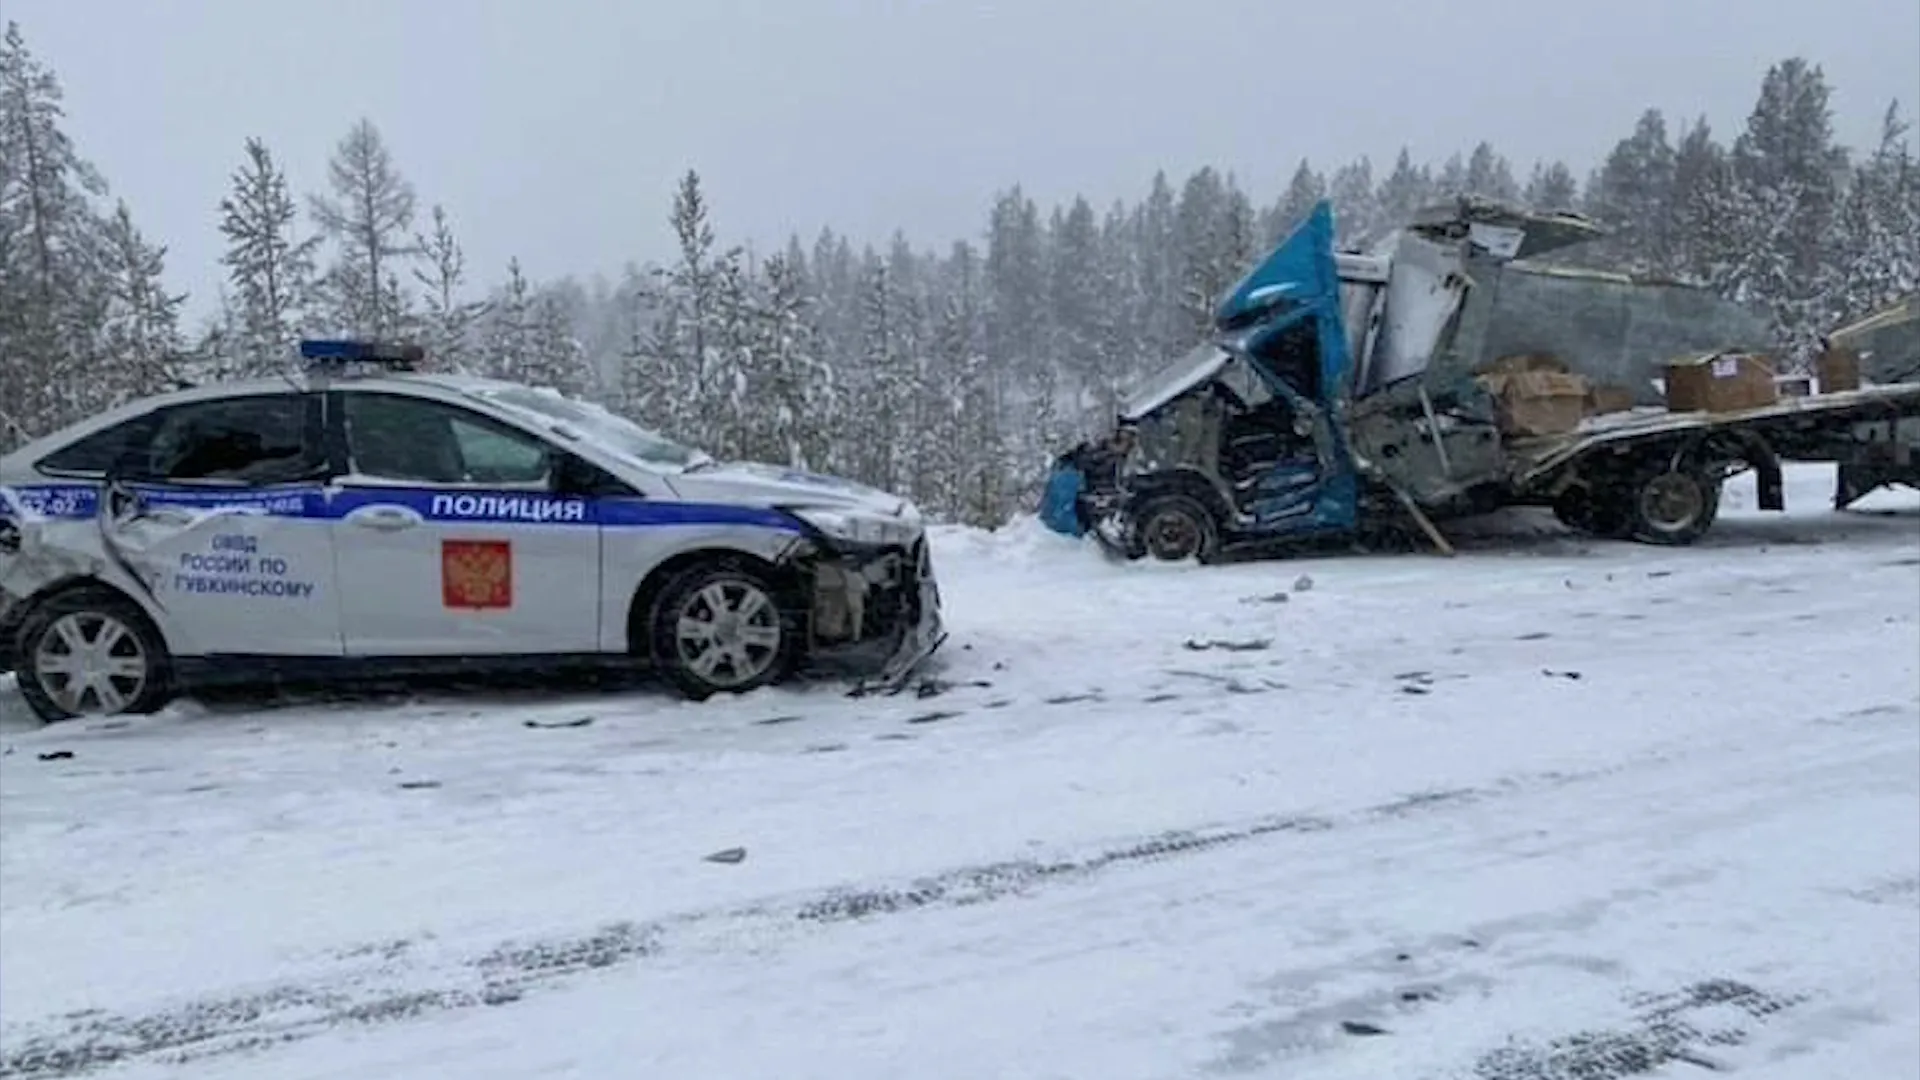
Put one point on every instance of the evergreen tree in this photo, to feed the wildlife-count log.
(369, 218)
(51, 253)
(1786, 174)
(1304, 191)
(1877, 259)
(1698, 203)
(141, 331)
(269, 267)
(1633, 198)
(1078, 306)
(1490, 176)
(1357, 218)
(509, 351)
(1406, 189)
(1552, 188)
(447, 321)
(794, 401)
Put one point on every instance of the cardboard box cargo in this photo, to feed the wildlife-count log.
(1604, 398)
(1537, 402)
(1838, 369)
(1720, 382)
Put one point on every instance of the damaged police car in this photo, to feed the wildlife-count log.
(373, 519)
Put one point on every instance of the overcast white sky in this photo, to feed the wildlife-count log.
(555, 129)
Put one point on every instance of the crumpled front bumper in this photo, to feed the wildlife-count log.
(897, 600)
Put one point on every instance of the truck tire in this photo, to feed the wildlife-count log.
(718, 628)
(1176, 527)
(1672, 507)
(1585, 510)
(91, 652)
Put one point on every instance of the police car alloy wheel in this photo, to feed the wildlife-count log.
(91, 652)
(719, 629)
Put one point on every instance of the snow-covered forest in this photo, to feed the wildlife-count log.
(948, 372)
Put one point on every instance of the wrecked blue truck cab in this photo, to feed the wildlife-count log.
(1239, 438)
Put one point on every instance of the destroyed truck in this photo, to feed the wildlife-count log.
(1343, 396)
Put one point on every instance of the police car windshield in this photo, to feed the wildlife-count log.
(598, 425)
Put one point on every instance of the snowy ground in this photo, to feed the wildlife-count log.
(1551, 809)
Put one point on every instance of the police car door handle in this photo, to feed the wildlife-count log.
(385, 517)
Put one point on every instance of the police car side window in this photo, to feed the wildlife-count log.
(430, 442)
(255, 440)
(95, 454)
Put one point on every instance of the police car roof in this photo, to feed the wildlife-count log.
(318, 381)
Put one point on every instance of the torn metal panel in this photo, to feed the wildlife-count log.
(1502, 231)
(1191, 370)
(1427, 288)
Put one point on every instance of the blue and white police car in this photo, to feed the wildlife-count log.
(371, 518)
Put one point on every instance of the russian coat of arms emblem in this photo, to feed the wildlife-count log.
(476, 575)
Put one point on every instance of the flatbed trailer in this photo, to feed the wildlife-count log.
(1589, 475)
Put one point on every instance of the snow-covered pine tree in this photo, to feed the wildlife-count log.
(447, 318)
(1697, 205)
(369, 218)
(1303, 191)
(1490, 175)
(51, 253)
(794, 401)
(883, 396)
(1077, 306)
(555, 356)
(1632, 196)
(1201, 241)
(1357, 217)
(1122, 339)
(1551, 188)
(140, 339)
(1877, 250)
(1787, 172)
(269, 267)
(508, 334)
(732, 371)
(1406, 189)
(1164, 321)
(1016, 282)
(648, 366)
(1451, 181)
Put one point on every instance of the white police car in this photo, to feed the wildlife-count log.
(371, 519)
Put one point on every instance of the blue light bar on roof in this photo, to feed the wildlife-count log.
(366, 352)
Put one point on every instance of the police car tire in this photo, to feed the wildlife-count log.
(663, 629)
(154, 694)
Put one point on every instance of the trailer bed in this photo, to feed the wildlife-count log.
(1533, 458)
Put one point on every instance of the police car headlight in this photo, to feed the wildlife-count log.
(858, 528)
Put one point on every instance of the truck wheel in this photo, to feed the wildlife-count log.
(1175, 527)
(1585, 510)
(91, 652)
(718, 628)
(1672, 507)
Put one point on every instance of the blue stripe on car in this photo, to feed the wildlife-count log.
(80, 502)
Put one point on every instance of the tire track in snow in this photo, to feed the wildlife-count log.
(388, 982)
(391, 985)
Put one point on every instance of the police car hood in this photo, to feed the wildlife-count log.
(771, 485)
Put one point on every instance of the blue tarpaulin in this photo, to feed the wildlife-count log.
(1059, 503)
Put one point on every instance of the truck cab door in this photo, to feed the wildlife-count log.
(1303, 482)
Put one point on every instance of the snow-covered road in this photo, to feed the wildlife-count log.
(1550, 809)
